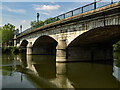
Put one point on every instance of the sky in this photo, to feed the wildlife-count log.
(25, 11)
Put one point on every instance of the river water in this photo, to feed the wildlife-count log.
(41, 71)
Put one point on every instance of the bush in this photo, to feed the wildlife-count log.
(10, 49)
(116, 47)
(5, 50)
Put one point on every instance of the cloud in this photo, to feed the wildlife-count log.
(52, 2)
(23, 21)
(14, 10)
(45, 13)
(46, 7)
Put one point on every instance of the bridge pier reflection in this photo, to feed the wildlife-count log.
(30, 64)
(61, 76)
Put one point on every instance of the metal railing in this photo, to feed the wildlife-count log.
(88, 7)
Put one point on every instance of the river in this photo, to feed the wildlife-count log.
(41, 71)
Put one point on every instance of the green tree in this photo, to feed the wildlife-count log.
(35, 23)
(41, 23)
(7, 33)
(48, 20)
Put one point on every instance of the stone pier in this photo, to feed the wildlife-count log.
(61, 51)
(29, 48)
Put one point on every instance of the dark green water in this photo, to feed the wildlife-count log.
(38, 71)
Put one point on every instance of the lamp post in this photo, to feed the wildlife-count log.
(94, 4)
(111, 1)
(21, 28)
(38, 17)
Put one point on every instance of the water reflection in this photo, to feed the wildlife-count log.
(42, 64)
(49, 72)
(74, 75)
(11, 75)
(91, 75)
(41, 71)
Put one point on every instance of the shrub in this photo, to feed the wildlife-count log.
(10, 49)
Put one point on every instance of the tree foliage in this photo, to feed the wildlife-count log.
(41, 23)
(48, 20)
(7, 32)
(35, 23)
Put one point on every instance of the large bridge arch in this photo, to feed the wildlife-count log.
(97, 35)
(95, 44)
(45, 45)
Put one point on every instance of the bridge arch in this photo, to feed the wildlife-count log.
(45, 45)
(95, 44)
(104, 34)
(24, 43)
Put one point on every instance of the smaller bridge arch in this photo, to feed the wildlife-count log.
(23, 45)
(44, 45)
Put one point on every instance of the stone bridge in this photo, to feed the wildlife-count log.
(88, 36)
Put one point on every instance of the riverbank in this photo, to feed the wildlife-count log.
(10, 49)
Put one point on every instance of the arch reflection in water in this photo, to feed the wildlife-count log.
(48, 72)
(43, 65)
